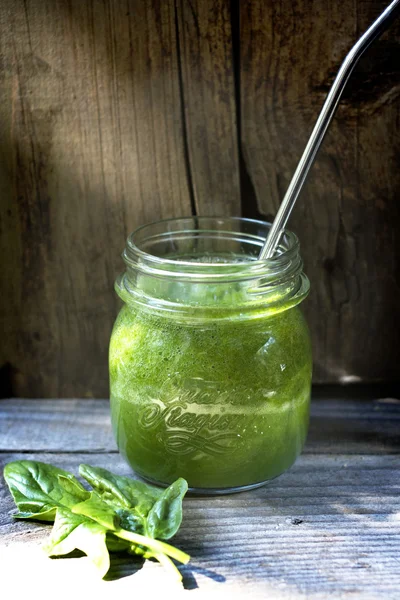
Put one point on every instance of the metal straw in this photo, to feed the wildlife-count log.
(321, 127)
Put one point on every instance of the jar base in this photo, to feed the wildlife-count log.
(198, 491)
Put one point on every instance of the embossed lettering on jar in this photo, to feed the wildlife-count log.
(210, 357)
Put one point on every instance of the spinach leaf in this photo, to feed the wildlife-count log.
(121, 491)
(72, 532)
(122, 524)
(39, 489)
(71, 485)
(144, 508)
(165, 516)
(109, 516)
(130, 521)
(99, 511)
(118, 514)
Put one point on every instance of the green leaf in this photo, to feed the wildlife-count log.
(120, 514)
(76, 532)
(111, 517)
(130, 521)
(99, 511)
(153, 546)
(39, 489)
(73, 487)
(121, 491)
(104, 515)
(165, 517)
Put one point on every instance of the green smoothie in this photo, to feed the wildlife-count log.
(223, 403)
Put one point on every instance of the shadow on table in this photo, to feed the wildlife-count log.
(189, 571)
(122, 565)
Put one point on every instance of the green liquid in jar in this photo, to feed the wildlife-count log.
(222, 403)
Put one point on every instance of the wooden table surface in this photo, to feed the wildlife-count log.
(328, 528)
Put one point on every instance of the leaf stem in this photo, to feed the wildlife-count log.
(156, 545)
(168, 564)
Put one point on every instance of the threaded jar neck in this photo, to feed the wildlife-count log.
(208, 267)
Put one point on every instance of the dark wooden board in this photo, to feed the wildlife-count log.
(91, 147)
(116, 113)
(347, 215)
(208, 89)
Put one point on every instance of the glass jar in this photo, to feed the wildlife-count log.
(210, 356)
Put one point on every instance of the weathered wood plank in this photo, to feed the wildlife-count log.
(337, 426)
(205, 42)
(92, 146)
(348, 218)
(329, 528)
(59, 425)
(355, 426)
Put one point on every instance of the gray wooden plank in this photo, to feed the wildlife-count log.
(53, 425)
(337, 426)
(355, 426)
(329, 528)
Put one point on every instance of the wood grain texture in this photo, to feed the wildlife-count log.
(116, 113)
(91, 147)
(329, 528)
(205, 43)
(71, 425)
(348, 217)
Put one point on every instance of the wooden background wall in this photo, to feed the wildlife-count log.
(118, 112)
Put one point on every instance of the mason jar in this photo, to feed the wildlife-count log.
(210, 355)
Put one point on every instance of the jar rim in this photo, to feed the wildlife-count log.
(135, 256)
(245, 287)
